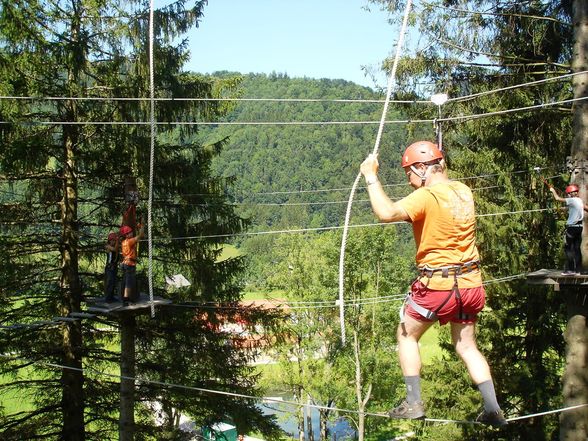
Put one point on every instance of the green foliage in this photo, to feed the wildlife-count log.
(476, 47)
(307, 271)
(63, 164)
(300, 175)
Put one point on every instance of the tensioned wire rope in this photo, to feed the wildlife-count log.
(250, 204)
(325, 190)
(335, 227)
(328, 228)
(296, 100)
(328, 202)
(398, 184)
(172, 99)
(328, 190)
(402, 184)
(494, 14)
(293, 123)
(319, 304)
(515, 86)
(164, 384)
(277, 305)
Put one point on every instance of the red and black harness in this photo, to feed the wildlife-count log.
(446, 271)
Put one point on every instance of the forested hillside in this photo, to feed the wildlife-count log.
(290, 172)
(288, 158)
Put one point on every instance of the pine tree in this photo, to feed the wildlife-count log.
(471, 47)
(79, 127)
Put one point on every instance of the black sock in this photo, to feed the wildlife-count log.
(413, 388)
(489, 396)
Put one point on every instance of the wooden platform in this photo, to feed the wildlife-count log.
(556, 278)
(99, 306)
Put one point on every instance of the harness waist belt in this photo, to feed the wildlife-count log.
(454, 270)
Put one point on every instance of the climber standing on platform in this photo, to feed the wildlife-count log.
(574, 227)
(129, 262)
(110, 269)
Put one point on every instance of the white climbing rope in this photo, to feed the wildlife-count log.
(151, 160)
(391, 86)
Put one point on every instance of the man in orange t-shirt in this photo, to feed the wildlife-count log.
(129, 261)
(449, 287)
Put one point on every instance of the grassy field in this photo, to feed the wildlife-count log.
(228, 252)
(430, 345)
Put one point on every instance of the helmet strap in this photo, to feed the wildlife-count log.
(424, 175)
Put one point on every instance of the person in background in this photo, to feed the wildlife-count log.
(129, 261)
(574, 227)
(449, 286)
(110, 269)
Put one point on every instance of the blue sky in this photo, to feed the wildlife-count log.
(312, 38)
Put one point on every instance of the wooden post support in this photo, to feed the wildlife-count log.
(574, 289)
(574, 423)
(131, 191)
(128, 327)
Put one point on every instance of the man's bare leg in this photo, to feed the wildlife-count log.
(408, 335)
(463, 336)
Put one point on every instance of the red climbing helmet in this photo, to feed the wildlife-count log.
(125, 229)
(112, 236)
(421, 151)
(572, 188)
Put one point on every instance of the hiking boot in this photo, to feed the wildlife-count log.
(495, 418)
(413, 411)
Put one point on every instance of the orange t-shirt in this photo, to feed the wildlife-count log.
(129, 251)
(444, 226)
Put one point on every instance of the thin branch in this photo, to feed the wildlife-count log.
(498, 14)
(504, 57)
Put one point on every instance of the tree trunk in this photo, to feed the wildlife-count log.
(361, 401)
(580, 110)
(301, 435)
(72, 402)
(127, 383)
(323, 419)
(309, 419)
(574, 424)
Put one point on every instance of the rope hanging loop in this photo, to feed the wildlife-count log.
(391, 86)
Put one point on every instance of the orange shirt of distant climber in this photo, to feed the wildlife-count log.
(129, 251)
